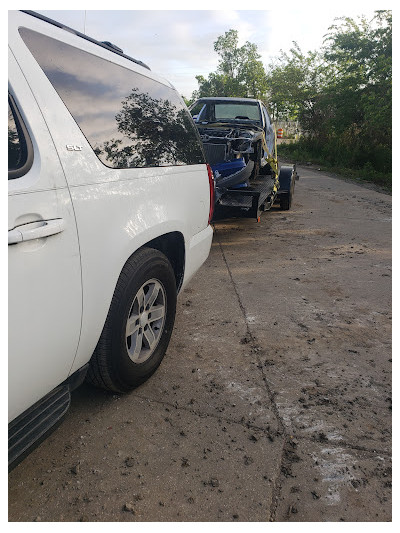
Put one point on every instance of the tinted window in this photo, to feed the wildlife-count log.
(195, 110)
(15, 152)
(205, 113)
(128, 119)
(20, 152)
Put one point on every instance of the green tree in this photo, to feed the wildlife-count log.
(361, 92)
(226, 47)
(341, 95)
(216, 85)
(240, 71)
(294, 80)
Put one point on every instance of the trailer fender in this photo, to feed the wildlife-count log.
(287, 177)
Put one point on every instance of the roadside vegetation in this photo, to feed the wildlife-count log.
(340, 95)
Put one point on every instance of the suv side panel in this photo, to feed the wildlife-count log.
(127, 214)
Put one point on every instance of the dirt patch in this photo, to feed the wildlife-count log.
(273, 402)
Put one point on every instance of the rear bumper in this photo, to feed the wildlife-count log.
(197, 253)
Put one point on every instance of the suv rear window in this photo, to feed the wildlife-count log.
(128, 119)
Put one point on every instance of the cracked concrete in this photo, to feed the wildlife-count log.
(273, 402)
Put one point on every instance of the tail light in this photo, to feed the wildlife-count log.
(212, 192)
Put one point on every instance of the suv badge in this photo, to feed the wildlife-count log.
(74, 147)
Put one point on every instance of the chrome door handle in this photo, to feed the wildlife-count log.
(36, 230)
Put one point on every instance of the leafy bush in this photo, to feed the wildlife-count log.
(341, 96)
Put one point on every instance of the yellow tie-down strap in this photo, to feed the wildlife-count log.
(273, 161)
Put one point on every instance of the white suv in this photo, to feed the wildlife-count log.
(110, 202)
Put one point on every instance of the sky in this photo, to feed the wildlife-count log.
(177, 43)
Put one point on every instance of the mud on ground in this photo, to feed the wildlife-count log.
(273, 402)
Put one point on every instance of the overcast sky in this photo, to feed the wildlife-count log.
(178, 43)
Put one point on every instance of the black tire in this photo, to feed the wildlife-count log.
(112, 366)
(286, 201)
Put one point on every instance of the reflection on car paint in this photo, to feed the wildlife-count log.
(129, 119)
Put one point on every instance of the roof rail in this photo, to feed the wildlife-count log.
(103, 44)
(114, 46)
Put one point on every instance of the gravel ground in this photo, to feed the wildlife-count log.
(273, 402)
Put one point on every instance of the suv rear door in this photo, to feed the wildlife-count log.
(45, 293)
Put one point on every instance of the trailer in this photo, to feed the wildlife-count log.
(263, 192)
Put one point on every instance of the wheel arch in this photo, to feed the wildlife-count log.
(172, 245)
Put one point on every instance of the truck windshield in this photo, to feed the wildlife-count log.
(237, 110)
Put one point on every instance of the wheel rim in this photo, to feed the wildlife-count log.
(145, 321)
